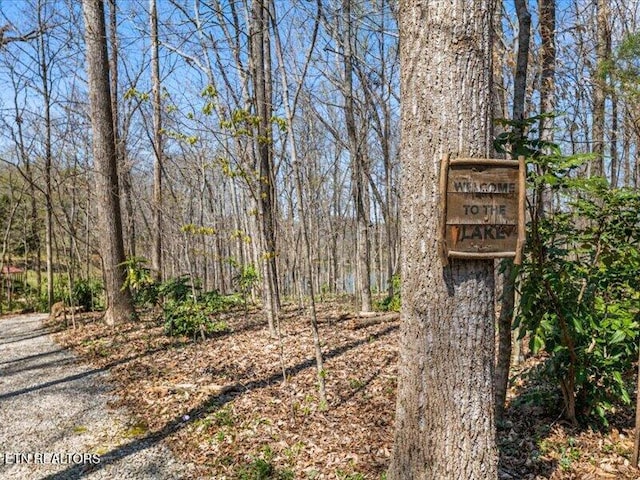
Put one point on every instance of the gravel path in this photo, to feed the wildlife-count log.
(55, 422)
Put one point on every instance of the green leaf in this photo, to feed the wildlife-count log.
(618, 337)
(537, 343)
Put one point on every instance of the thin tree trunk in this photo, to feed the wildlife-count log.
(615, 165)
(5, 246)
(34, 223)
(358, 168)
(547, 14)
(44, 76)
(507, 299)
(626, 151)
(599, 88)
(289, 107)
(522, 62)
(156, 250)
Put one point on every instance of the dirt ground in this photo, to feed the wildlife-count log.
(222, 405)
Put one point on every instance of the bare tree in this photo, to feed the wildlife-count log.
(600, 85)
(263, 145)
(156, 250)
(290, 105)
(119, 303)
(507, 298)
(46, 98)
(358, 165)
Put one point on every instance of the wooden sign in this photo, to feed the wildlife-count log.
(482, 215)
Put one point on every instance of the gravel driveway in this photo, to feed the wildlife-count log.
(55, 422)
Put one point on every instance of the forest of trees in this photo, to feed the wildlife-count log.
(207, 169)
(254, 146)
(208, 179)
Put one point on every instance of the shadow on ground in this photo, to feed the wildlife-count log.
(211, 404)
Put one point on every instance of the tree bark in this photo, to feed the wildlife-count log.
(264, 144)
(359, 177)
(445, 408)
(156, 250)
(119, 304)
(507, 299)
(505, 319)
(547, 14)
(522, 61)
(124, 172)
(599, 87)
(44, 77)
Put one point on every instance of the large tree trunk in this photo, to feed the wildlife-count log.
(445, 408)
(260, 51)
(119, 304)
(124, 171)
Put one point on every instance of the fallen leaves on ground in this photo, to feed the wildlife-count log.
(222, 403)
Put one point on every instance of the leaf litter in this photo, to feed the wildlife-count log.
(222, 403)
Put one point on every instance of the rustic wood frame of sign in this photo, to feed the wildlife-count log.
(483, 208)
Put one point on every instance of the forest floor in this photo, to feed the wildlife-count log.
(221, 403)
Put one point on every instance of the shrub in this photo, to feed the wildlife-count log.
(580, 289)
(214, 302)
(190, 318)
(392, 303)
(175, 289)
(88, 294)
(140, 282)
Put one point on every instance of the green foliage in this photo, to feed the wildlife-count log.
(625, 66)
(580, 288)
(89, 294)
(262, 468)
(391, 303)
(140, 281)
(279, 122)
(209, 92)
(246, 278)
(240, 123)
(187, 315)
(521, 138)
(191, 318)
(216, 303)
(132, 94)
(224, 418)
(61, 293)
(192, 229)
(175, 290)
